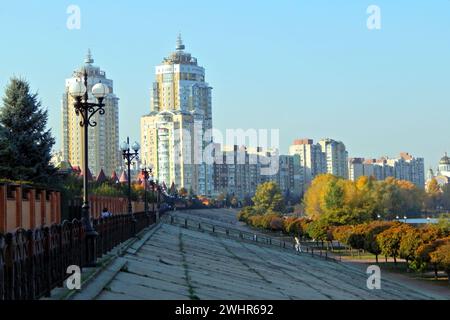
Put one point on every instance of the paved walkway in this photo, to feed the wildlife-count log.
(178, 263)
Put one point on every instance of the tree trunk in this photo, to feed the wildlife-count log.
(395, 260)
(435, 271)
(376, 258)
(385, 258)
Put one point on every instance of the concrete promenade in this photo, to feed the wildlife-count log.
(172, 262)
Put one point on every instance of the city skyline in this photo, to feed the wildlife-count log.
(384, 114)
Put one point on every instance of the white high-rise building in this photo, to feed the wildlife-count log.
(312, 159)
(104, 137)
(336, 157)
(355, 168)
(174, 133)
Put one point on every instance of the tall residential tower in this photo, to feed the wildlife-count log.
(103, 138)
(173, 134)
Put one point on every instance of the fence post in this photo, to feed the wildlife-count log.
(18, 198)
(3, 208)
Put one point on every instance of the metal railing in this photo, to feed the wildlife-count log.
(34, 262)
(305, 247)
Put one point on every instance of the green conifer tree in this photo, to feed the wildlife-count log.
(24, 139)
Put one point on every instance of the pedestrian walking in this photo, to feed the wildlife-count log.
(298, 246)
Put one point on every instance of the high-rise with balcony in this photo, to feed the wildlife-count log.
(336, 157)
(405, 167)
(104, 137)
(312, 159)
(174, 133)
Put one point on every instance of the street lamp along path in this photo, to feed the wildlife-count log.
(129, 156)
(78, 91)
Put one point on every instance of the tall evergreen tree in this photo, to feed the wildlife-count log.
(24, 140)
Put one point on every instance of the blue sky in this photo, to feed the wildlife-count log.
(310, 68)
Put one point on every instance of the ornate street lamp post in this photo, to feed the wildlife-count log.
(129, 156)
(146, 173)
(78, 90)
(153, 187)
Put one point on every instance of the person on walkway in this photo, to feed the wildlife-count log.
(106, 213)
(298, 246)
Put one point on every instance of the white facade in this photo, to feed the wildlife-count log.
(336, 157)
(405, 167)
(355, 168)
(442, 175)
(444, 166)
(312, 160)
(173, 134)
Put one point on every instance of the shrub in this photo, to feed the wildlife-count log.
(276, 224)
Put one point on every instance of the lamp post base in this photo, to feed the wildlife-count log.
(90, 239)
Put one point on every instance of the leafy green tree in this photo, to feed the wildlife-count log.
(268, 197)
(334, 198)
(434, 195)
(424, 255)
(342, 233)
(429, 240)
(441, 258)
(318, 230)
(24, 136)
(390, 239)
(314, 198)
(443, 224)
(409, 243)
(245, 214)
(371, 232)
(357, 237)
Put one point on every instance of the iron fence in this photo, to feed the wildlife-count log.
(34, 262)
(200, 225)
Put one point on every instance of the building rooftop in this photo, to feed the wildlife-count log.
(180, 56)
(445, 160)
(303, 141)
